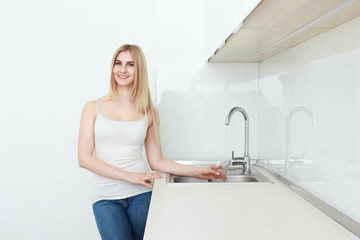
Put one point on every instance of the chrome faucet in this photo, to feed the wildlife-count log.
(288, 135)
(245, 160)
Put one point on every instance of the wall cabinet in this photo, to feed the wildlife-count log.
(276, 25)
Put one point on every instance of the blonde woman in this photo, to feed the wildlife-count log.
(113, 132)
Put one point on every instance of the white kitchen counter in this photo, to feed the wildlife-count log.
(235, 211)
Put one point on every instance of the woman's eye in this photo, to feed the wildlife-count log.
(131, 64)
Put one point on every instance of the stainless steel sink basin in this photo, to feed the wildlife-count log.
(181, 179)
(230, 179)
(254, 177)
(243, 179)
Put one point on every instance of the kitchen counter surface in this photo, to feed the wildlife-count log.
(235, 211)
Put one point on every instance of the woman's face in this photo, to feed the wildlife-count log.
(124, 69)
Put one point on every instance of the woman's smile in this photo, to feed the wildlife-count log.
(123, 76)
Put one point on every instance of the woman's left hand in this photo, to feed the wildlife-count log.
(211, 172)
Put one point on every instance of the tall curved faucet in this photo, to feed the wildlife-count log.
(288, 135)
(246, 159)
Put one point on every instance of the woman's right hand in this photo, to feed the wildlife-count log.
(211, 172)
(143, 178)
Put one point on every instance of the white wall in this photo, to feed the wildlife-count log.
(321, 74)
(55, 57)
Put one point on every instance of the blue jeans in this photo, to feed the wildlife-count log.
(122, 219)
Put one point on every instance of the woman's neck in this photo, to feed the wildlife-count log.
(124, 94)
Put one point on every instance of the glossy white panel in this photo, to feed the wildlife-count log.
(194, 100)
(321, 75)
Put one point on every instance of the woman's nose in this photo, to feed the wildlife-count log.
(122, 68)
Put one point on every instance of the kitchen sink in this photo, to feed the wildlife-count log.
(181, 179)
(244, 178)
(254, 177)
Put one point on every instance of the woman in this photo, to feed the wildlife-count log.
(113, 131)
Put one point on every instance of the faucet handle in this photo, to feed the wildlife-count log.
(236, 158)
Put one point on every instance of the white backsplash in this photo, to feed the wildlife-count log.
(193, 107)
(322, 75)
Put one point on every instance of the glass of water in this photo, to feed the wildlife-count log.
(225, 164)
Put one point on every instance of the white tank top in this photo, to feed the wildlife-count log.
(119, 143)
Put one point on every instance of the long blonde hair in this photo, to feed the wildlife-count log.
(140, 90)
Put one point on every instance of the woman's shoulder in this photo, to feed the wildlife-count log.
(91, 108)
(92, 104)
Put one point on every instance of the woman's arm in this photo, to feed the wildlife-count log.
(162, 164)
(87, 160)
